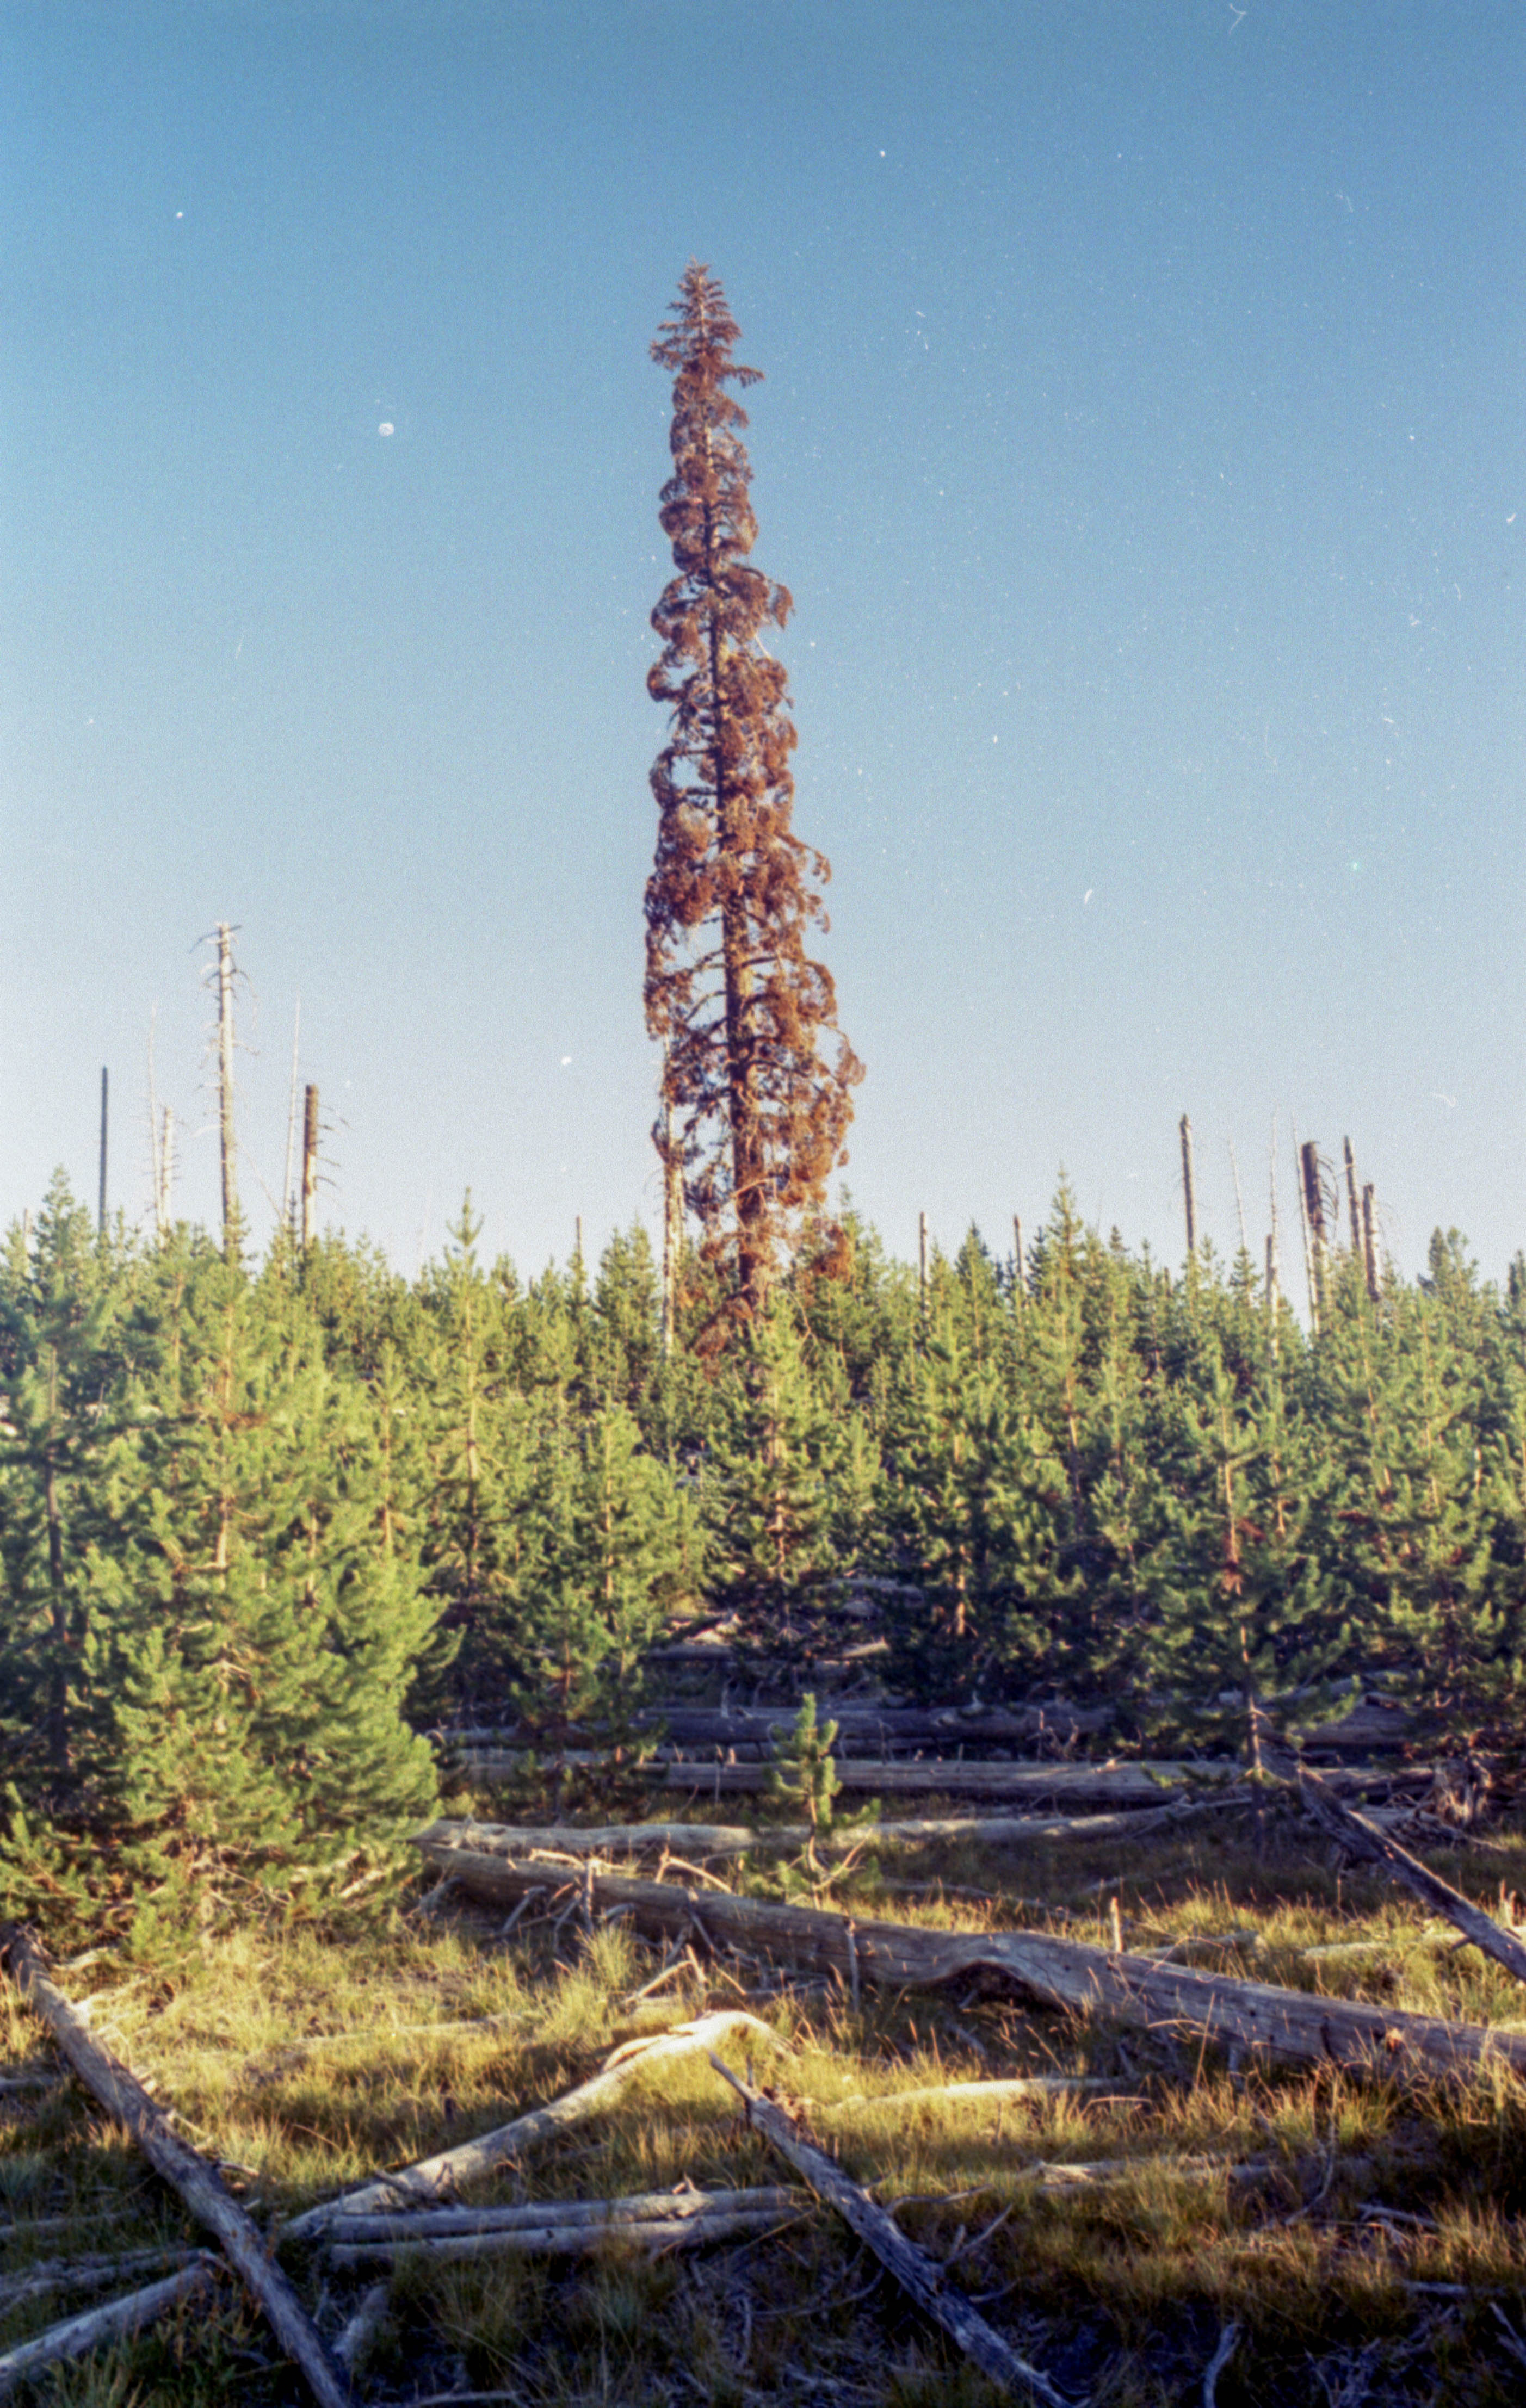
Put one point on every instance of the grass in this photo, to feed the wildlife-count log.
(1369, 2253)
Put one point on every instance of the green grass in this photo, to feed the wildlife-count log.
(1364, 2258)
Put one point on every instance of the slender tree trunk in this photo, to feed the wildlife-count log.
(167, 1173)
(1018, 1264)
(1300, 1165)
(922, 1260)
(288, 1194)
(224, 1081)
(1239, 1202)
(1369, 1239)
(1188, 1189)
(309, 1165)
(1352, 1199)
(106, 1089)
(673, 1220)
(58, 1684)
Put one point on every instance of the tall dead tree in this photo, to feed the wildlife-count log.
(729, 990)
(1369, 1239)
(227, 1140)
(1018, 1264)
(309, 1165)
(163, 1216)
(1188, 1189)
(1353, 1200)
(106, 1089)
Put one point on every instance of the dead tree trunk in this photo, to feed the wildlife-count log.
(922, 1260)
(124, 2097)
(1188, 1190)
(167, 1173)
(1353, 1201)
(1289, 2027)
(1369, 1239)
(1019, 1266)
(918, 2274)
(309, 1165)
(1316, 1238)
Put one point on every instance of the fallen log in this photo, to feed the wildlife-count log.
(738, 1839)
(88, 2273)
(859, 1727)
(198, 2184)
(1292, 2026)
(968, 2094)
(450, 2223)
(435, 2178)
(653, 2221)
(1364, 1839)
(119, 2320)
(1112, 1783)
(918, 2273)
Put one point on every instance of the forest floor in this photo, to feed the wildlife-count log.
(1374, 2253)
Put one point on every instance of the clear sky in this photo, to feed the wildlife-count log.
(1142, 442)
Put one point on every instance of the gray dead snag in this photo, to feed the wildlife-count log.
(199, 2184)
(918, 2273)
(1363, 1838)
(119, 2320)
(436, 2178)
(1290, 2027)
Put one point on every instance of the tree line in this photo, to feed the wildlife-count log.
(263, 1524)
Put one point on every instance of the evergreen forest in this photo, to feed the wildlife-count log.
(265, 1526)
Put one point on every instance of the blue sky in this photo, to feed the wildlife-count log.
(1142, 440)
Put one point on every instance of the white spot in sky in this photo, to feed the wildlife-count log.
(179, 214)
(1087, 896)
(387, 427)
(567, 1061)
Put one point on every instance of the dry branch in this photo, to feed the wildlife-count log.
(119, 2320)
(436, 2177)
(969, 2093)
(1293, 2026)
(124, 2097)
(1363, 1838)
(918, 2273)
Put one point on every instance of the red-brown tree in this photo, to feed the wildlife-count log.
(759, 1117)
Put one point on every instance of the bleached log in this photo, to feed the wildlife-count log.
(436, 2177)
(359, 2336)
(1292, 2026)
(118, 2320)
(968, 2094)
(123, 2097)
(1364, 1839)
(655, 2222)
(87, 2273)
(918, 2273)
(1117, 1784)
(735, 1840)
(450, 2223)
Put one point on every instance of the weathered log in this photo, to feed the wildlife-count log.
(436, 2177)
(968, 2094)
(701, 1839)
(88, 2273)
(198, 2184)
(1364, 1839)
(119, 2320)
(918, 2273)
(1118, 1785)
(859, 1727)
(450, 2223)
(653, 2221)
(1293, 2026)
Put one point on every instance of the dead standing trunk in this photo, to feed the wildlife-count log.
(309, 1165)
(227, 1140)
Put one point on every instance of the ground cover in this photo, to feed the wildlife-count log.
(1362, 2236)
